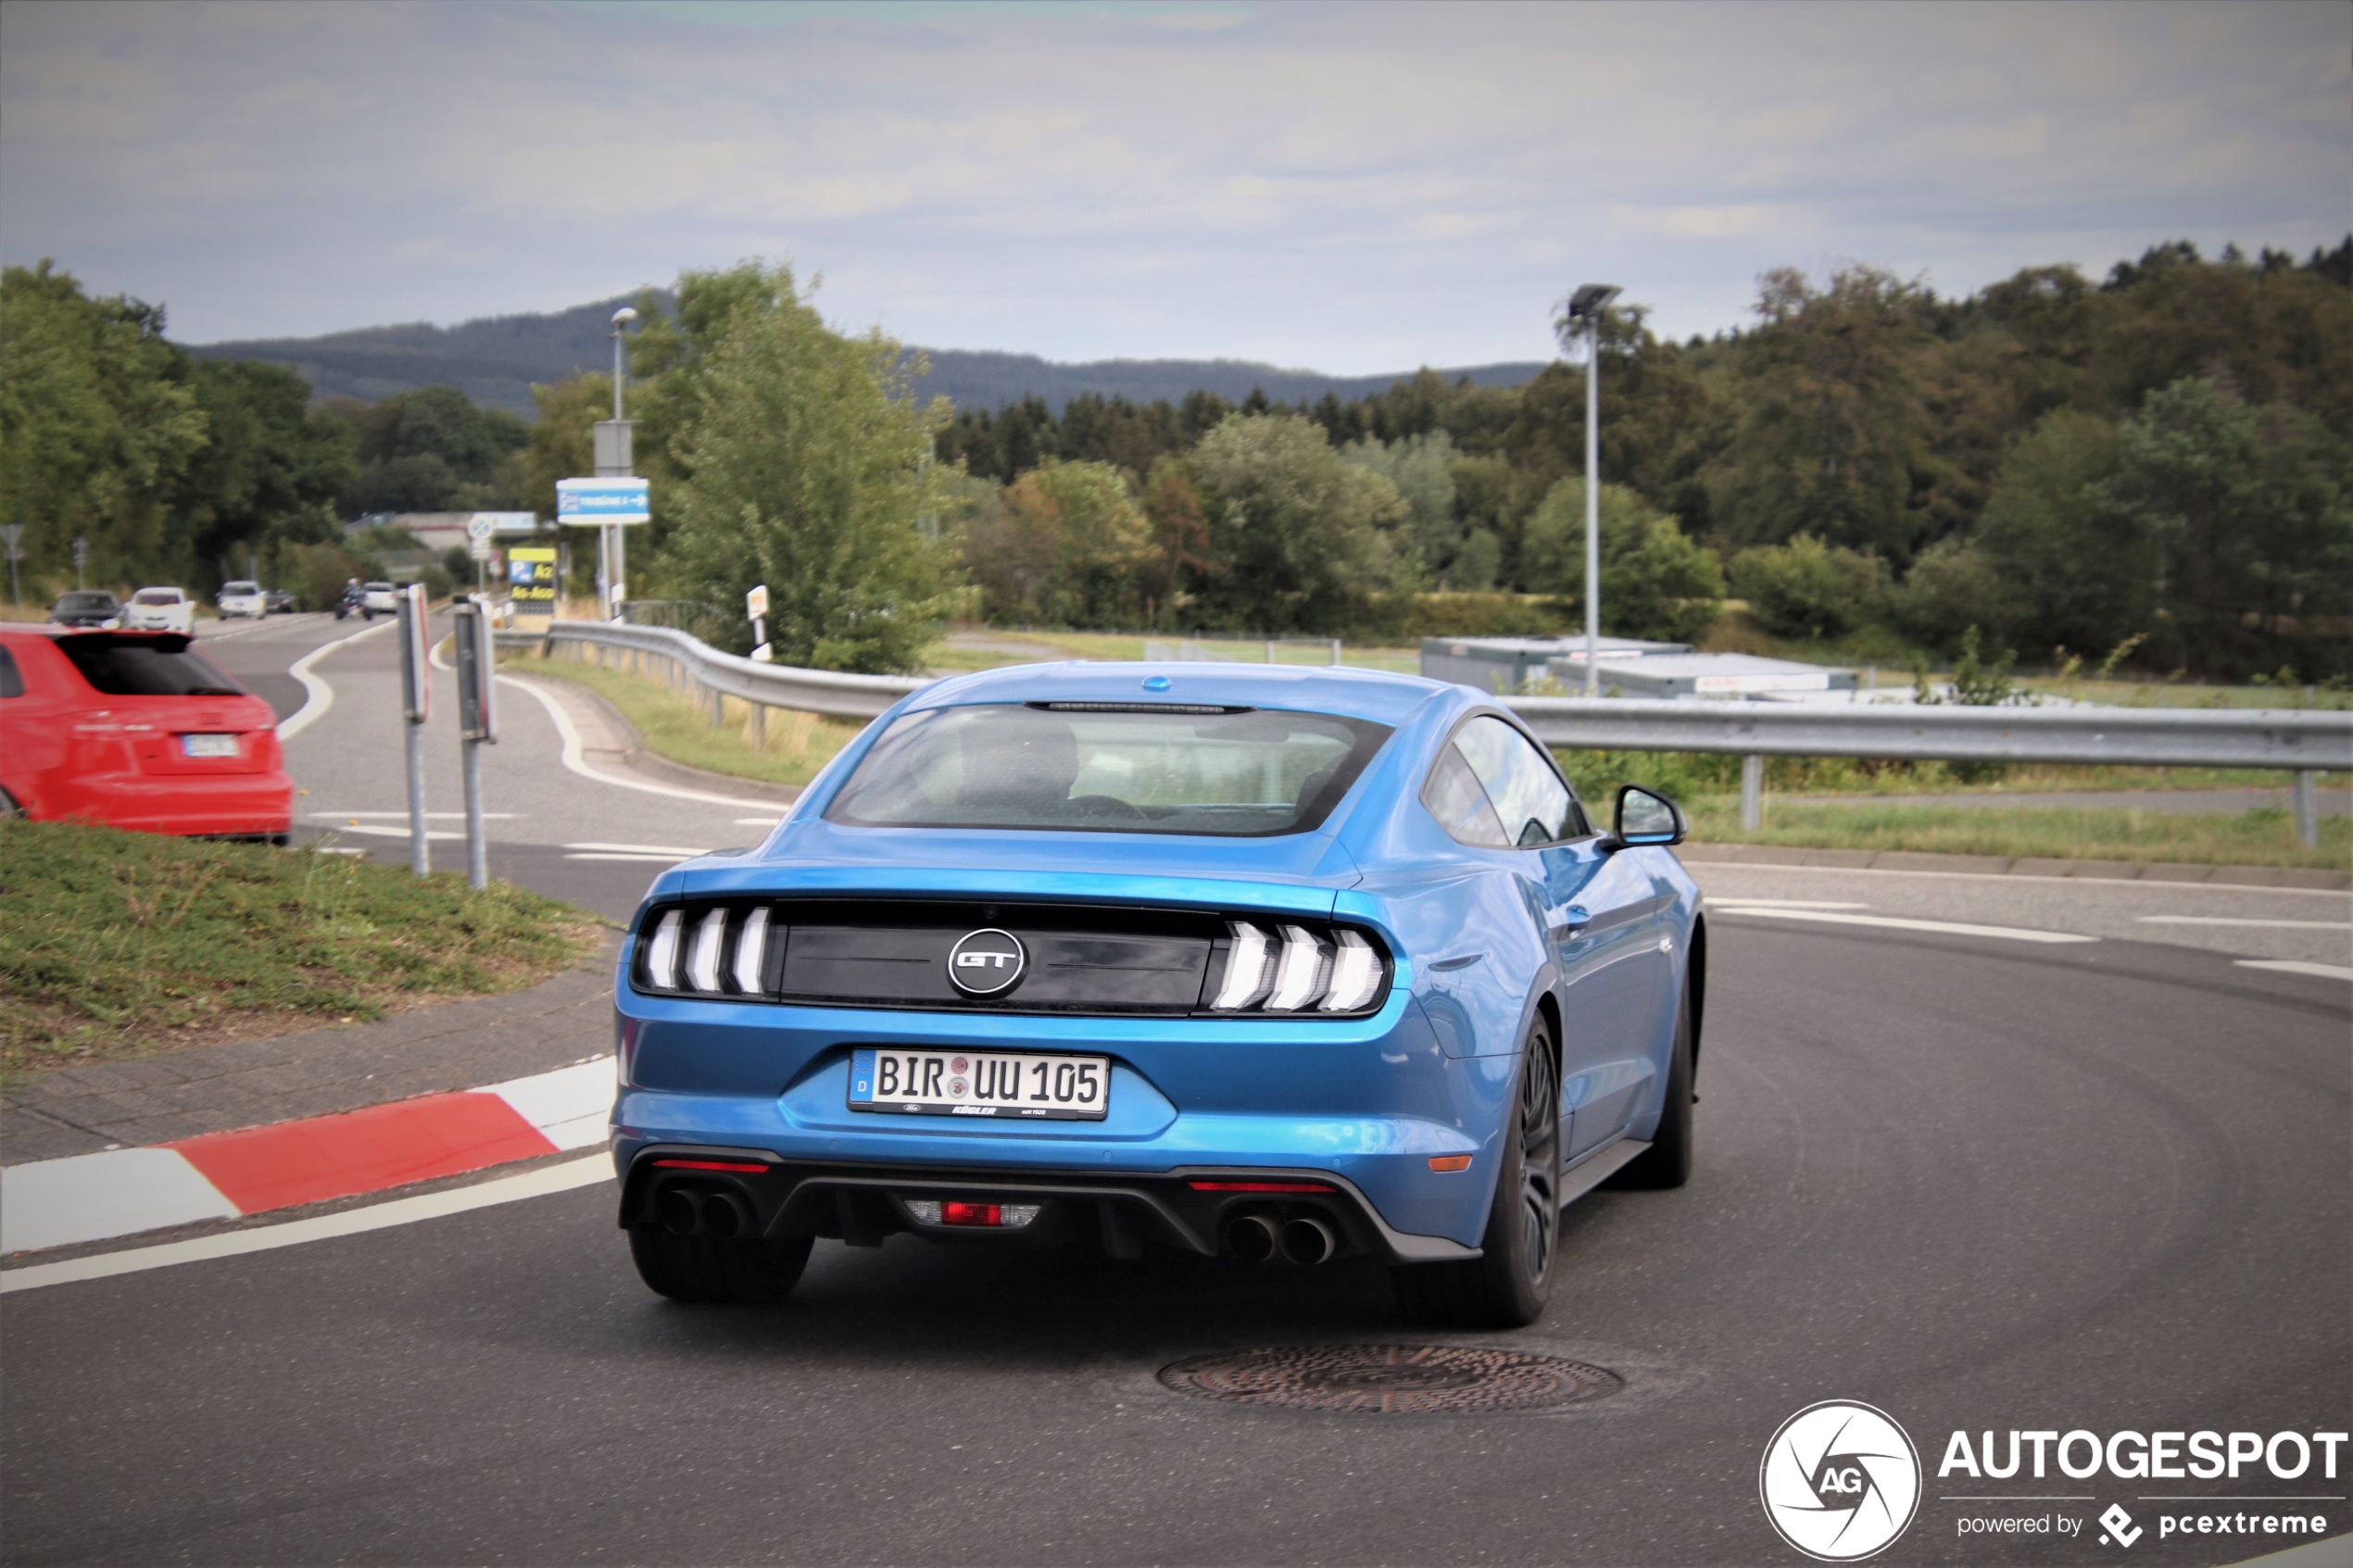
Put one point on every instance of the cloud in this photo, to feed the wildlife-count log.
(1357, 188)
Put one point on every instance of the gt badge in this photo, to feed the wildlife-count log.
(983, 964)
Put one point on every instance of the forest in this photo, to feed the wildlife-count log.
(2156, 462)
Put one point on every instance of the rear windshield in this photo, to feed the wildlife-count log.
(1109, 768)
(241, 587)
(147, 667)
(79, 600)
(156, 597)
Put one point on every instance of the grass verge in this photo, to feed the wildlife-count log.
(2256, 838)
(122, 944)
(791, 749)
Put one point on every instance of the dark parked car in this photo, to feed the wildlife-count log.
(87, 607)
(277, 601)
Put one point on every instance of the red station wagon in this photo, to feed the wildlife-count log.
(136, 730)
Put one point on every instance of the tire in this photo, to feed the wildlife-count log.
(1506, 1285)
(704, 1267)
(1668, 1161)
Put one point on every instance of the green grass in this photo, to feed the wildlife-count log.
(679, 728)
(116, 943)
(2256, 838)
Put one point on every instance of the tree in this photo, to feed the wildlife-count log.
(1421, 467)
(97, 422)
(1808, 589)
(2061, 569)
(1655, 583)
(431, 450)
(1832, 428)
(1068, 547)
(1306, 539)
(269, 472)
(2245, 515)
(809, 468)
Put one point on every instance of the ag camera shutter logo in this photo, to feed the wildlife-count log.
(983, 964)
(1839, 1480)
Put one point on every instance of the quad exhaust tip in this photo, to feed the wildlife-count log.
(1262, 1238)
(685, 1212)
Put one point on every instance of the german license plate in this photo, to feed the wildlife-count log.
(948, 1083)
(209, 745)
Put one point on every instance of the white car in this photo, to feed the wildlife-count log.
(379, 599)
(241, 599)
(160, 610)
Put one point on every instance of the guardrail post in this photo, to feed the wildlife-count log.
(755, 727)
(2308, 811)
(1752, 793)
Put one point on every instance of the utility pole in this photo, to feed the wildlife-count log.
(1589, 305)
(12, 533)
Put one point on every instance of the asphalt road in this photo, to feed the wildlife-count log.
(1978, 1183)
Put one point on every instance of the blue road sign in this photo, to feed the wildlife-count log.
(601, 500)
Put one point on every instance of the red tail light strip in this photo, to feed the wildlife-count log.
(747, 1170)
(1258, 1186)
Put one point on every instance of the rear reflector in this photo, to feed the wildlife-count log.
(1257, 1186)
(1450, 1161)
(745, 1168)
(989, 1216)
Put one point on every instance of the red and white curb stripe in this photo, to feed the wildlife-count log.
(225, 1176)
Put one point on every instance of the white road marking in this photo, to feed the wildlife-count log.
(642, 849)
(562, 1097)
(322, 696)
(1945, 927)
(1792, 904)
(759, 822)
(332, 816)
(547, 1179)
(2297, 966)
(90, 1197)
(635, 860)
(2219, 920)
(575, 755)
(374, 831)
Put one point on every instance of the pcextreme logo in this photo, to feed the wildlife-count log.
(1839, 1480)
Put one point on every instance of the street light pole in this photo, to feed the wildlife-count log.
(1589, 304)
(614, 551)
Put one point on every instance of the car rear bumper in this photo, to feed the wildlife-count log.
(233, 804)
(1188, 1208)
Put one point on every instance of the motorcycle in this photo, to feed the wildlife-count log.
(352, 600)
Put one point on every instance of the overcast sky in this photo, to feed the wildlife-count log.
(1350, 188)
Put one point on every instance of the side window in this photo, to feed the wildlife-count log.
(1456, 798)
(1526, 795)
(11, 678)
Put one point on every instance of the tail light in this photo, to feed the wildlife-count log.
(721, 950)
(1297, 969)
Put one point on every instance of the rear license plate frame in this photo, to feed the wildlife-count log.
(1074, 1087)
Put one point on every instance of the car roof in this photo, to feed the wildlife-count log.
(1355, 693)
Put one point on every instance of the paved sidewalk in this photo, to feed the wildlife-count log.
(316, 1072)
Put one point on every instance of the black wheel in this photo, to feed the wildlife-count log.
(1668, 1161)
(1506, 1286)
(706, 1268)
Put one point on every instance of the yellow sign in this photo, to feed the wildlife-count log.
(531, 581)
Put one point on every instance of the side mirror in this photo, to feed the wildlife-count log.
(1644, 817)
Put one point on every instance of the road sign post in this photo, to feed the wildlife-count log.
(416, 705)
(477, 723)
(80, 559)
(611, 503)
(756, 606)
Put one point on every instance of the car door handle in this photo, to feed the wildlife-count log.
(1573, 918)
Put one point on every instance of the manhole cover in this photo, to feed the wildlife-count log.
(1400, 1379)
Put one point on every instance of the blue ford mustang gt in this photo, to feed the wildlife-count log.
(1280, 963)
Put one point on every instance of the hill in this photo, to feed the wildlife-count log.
(495, 358)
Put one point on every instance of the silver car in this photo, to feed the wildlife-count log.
(241, 598)
(160, 610)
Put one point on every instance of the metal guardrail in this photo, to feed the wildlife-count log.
(689, 664)
(2304, 743)
(2137, 737)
